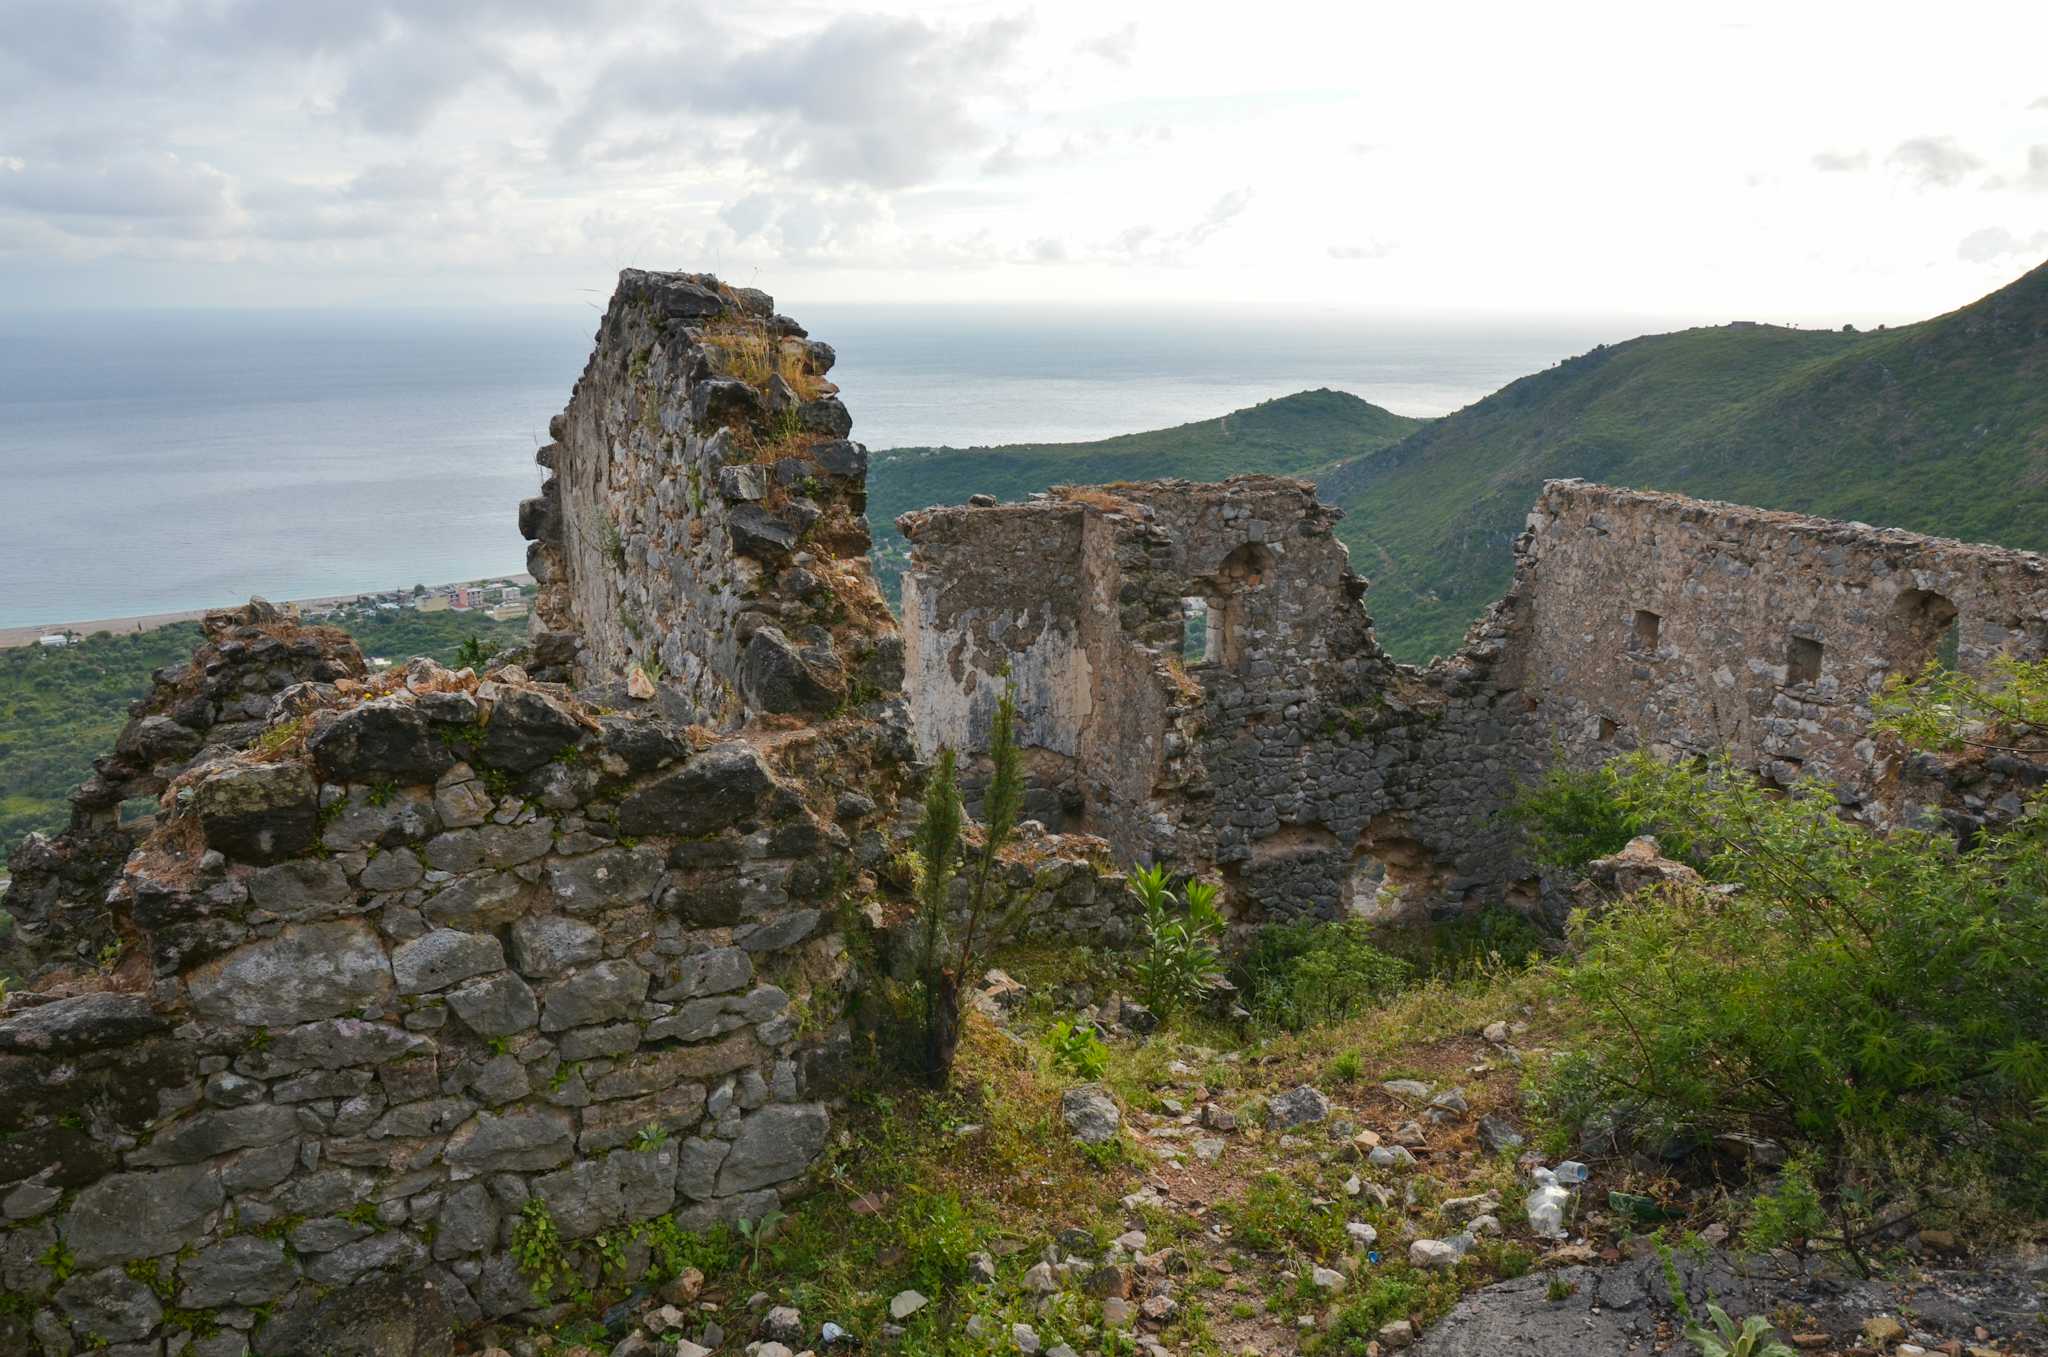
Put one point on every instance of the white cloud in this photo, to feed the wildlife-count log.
(1995, 243)
(1839, 162)
(1933, 162)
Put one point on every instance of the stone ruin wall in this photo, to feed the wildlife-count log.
(1323, 778)
(1688, 627)
(704, 519)
(397, 955)
(1289, 753)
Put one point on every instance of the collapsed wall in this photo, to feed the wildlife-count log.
(1283, 747)
(704, 519)
(1322, 778)
(401, 964)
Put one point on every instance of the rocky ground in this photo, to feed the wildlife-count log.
(1361, 1189)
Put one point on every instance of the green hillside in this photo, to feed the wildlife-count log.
(1940, 427)
(1301, 434)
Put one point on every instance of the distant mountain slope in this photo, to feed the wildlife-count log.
(1301, 435)
(1940, 427)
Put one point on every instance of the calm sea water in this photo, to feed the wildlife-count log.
(159, 461)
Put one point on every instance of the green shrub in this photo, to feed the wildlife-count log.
(1077, 1050)
(1575, 815)
(1301, 974)
(1278, 1213)
(1857, 988)
(1181, 964)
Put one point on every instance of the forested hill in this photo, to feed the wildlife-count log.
(1302, 434)
(1939, 426)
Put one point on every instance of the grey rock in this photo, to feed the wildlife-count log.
(475, 903)
(784, 930)
(714, 791)
(1497, 1136)
(717, 971)
(110, 1304)
(527, 729)
(217, 1131)
(547, 945)
(778, 676)
(140, 1215)
(83, 1023)
(258, 812)
(467, 1224)
(242, 1270)
(496, 1005)
(697, 1167)
(618, 1189)
(608, 879)
(395, 869)
(1091, 1114)
(442, 958)
(1296, 1107)
(775, 1144)
(392, 1251)
(517, 1141)
(388, 739)
(302, 889)
(388, 1317)
(307, 971)
(380, 817)
(341, 1043)
(604, 992)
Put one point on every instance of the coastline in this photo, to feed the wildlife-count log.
(11, 637)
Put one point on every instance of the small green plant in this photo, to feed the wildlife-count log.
(471, 654)
(1788, 1210)
(363, 1214)
(1181, 964)
(651, 1137)
(1077, 1050)
(756, 1233)
(1725, 1339)
(1557, 1289)
(537, 1249)
(59, 1260)
(1347, 1068)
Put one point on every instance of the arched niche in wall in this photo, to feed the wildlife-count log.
(1229, 595)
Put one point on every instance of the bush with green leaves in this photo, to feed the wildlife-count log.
(1182, 963)
(1298, 975)
(1574, 815)
(1858, 988)
(1076, 1049)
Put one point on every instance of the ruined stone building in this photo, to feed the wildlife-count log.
(403, 961)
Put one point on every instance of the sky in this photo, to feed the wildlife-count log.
(1793, 162)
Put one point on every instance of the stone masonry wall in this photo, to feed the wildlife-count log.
(1320, 777)
(426, 950)
(1687, 627)
(1289, 753)
(402, 962)
(704, 522)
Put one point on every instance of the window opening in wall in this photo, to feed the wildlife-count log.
(1647, 625)
(1196, 635)
(1949, 652)
(1802, 660)
(1928, 628)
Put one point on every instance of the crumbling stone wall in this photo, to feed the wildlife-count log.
(1688, 627)
(397, 958)
(1289, 752)
(704, 522)
(424, 950)
(1320, 777)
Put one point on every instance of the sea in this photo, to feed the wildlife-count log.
(157, 461)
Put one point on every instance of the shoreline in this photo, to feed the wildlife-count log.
(12, 637)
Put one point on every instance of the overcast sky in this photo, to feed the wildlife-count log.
(1859, 161)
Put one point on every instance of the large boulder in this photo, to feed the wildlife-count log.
(527, 729)
(83, 1023)
(387, 1317)
(258, 812)
(714, 791)
(775, 1144)
(778, 676)
(389, 739)
(1638, 867)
